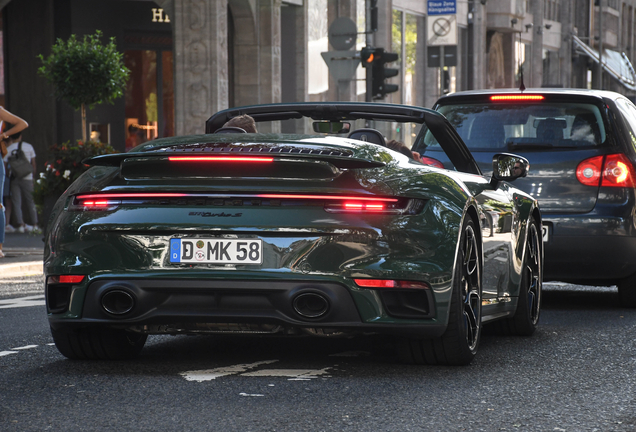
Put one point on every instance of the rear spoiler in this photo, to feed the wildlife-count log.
(342, 162)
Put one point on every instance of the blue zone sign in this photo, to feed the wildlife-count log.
(442, 7)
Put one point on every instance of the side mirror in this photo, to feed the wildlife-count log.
(331, 127)
(508, 167)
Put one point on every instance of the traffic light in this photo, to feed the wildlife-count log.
(367, 55)
(380, 73)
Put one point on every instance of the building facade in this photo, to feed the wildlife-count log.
(191, 58)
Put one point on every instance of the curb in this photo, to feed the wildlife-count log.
(27, 268)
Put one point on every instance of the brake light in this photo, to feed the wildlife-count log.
(618, 171)
(514, 98)
(326, 197)
(390, 283)
(355, 206)
(220, 159)
(99, 203)
(432, 162)
(613, 170)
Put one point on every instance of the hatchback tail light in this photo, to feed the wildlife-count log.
(613, 170)
(432, 162)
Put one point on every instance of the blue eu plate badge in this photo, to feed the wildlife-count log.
(175, 250)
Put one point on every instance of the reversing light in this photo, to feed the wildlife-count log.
(220, 159)
(524, 97)
(390, 283)
(588, 172)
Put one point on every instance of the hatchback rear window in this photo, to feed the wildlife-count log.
(509, 126)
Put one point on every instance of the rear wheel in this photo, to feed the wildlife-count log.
(458, 345)
(525, 320)
(98, 344)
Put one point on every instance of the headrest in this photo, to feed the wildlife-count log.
(230, 129)
(369, 135)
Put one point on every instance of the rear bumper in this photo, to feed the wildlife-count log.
(236, 306)
(589, 249)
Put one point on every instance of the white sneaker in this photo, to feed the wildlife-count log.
(21, 229)
(28, 228)
(9, 229)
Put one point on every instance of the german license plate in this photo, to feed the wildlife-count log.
(216, 251)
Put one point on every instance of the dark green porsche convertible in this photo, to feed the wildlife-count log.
(313, 226)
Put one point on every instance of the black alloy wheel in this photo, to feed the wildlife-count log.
(458, 345)
(471, 288)
(525, 320)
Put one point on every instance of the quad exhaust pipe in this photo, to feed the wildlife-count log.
(118, 302)
(311, 305)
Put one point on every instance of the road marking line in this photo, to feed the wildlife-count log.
(25, 347)
(252, 395)
(294, 374)
(36, 300)
(211, 374)
(6, 353)
(17, 280)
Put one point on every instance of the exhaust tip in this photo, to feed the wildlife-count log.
(118, 302)
(311, 305)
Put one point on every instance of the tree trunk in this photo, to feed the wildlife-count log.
(83, 122)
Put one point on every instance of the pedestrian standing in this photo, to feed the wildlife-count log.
(22, 186)
(18, 126)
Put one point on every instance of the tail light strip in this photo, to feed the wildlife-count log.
(330, 203)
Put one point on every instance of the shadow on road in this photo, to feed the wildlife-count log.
(560, 299)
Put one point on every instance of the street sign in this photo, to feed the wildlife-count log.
(442, 30)
(450, 56)
(343, 33)
(442, 7)
(342, 64)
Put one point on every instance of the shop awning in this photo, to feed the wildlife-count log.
(615, 63)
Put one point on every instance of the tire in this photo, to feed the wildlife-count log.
(98, 344)
(458, 345)
(627, 292)
(526, 317)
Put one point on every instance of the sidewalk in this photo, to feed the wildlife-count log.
(22, 254)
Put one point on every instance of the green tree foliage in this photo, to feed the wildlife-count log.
(86, 72)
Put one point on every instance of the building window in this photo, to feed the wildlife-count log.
(150, 89)
(404, 43)
(318, 41)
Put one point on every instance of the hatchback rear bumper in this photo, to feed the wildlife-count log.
(589, 259)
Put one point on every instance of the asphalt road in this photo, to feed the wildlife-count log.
(577, 373)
